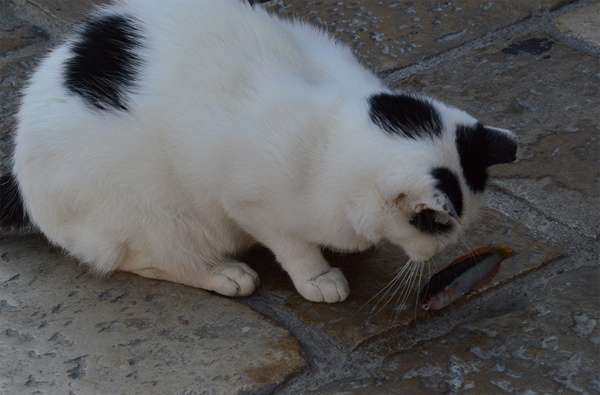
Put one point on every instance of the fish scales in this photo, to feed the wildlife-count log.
(464, 274)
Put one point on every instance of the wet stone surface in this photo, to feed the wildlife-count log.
(377, 304)
(549, 95)
(389, 34)
(63, 329)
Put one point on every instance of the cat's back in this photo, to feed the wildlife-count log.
(142, 56)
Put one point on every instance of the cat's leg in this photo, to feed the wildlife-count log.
(230, 278)
(314, 279)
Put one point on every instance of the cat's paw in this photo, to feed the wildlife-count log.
(329, 287)
(233, 279)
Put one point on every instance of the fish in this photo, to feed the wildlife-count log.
(469, 272)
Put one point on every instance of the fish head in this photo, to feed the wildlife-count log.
(437, 301)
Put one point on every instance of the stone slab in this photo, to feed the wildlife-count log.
(582, 24)
(375, 309)
(63, 330)
(390, 34)
(16, 33)
(549, 94)
(56, 16)
(548, 346)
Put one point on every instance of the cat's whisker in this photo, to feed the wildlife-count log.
(417, 296)
(398, 283)
(398, 280)
(406, 286)
(467, 245)
(385, 290)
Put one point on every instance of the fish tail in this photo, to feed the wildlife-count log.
(503, 251)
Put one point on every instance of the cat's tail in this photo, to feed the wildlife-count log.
(12, 210)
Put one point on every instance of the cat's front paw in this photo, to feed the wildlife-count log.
(233, 279)
(329, 287)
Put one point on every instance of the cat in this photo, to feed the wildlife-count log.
(165, 138)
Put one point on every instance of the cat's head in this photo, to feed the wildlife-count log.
(434, 170)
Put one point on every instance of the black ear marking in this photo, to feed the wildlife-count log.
(480, 147)
(104, 63)
(405, 115)
(501, 145)
(447, 182)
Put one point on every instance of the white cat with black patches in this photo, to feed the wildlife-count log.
(164, 138)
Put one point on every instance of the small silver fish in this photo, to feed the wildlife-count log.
(471, 271)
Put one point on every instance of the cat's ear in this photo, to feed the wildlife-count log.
(501, 145)
(437, 201)
(485, 145)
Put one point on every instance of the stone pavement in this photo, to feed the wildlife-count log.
(529, 65)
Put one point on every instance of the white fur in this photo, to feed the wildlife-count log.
(243, 128)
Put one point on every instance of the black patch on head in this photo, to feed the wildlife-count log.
(12, 211)
(480, 147)
(426, 222)
(447, 182)
(104, 62)
(405, 115)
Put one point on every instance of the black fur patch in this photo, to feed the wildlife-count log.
(12, 211)
(480, 147)
(104, 64)
(405, 115)
(448, 183)
(426, 222)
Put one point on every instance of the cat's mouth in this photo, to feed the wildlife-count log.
(432, 222)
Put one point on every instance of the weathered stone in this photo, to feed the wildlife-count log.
(582, 24)
(390, 34)
(549, 95)
(16, 33)
(13, 75)
(539, 348)
(62, 329)
(378, 304)
(58, 15)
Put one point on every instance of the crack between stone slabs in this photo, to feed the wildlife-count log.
(45, 11)
(327, 360)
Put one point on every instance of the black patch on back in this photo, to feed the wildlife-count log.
(104, 63)
(426, 223)
(447, 182)
(12, 211)
(480, 147)
(405, 115)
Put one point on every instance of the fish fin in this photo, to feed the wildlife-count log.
(487, 279)
(470, 255)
